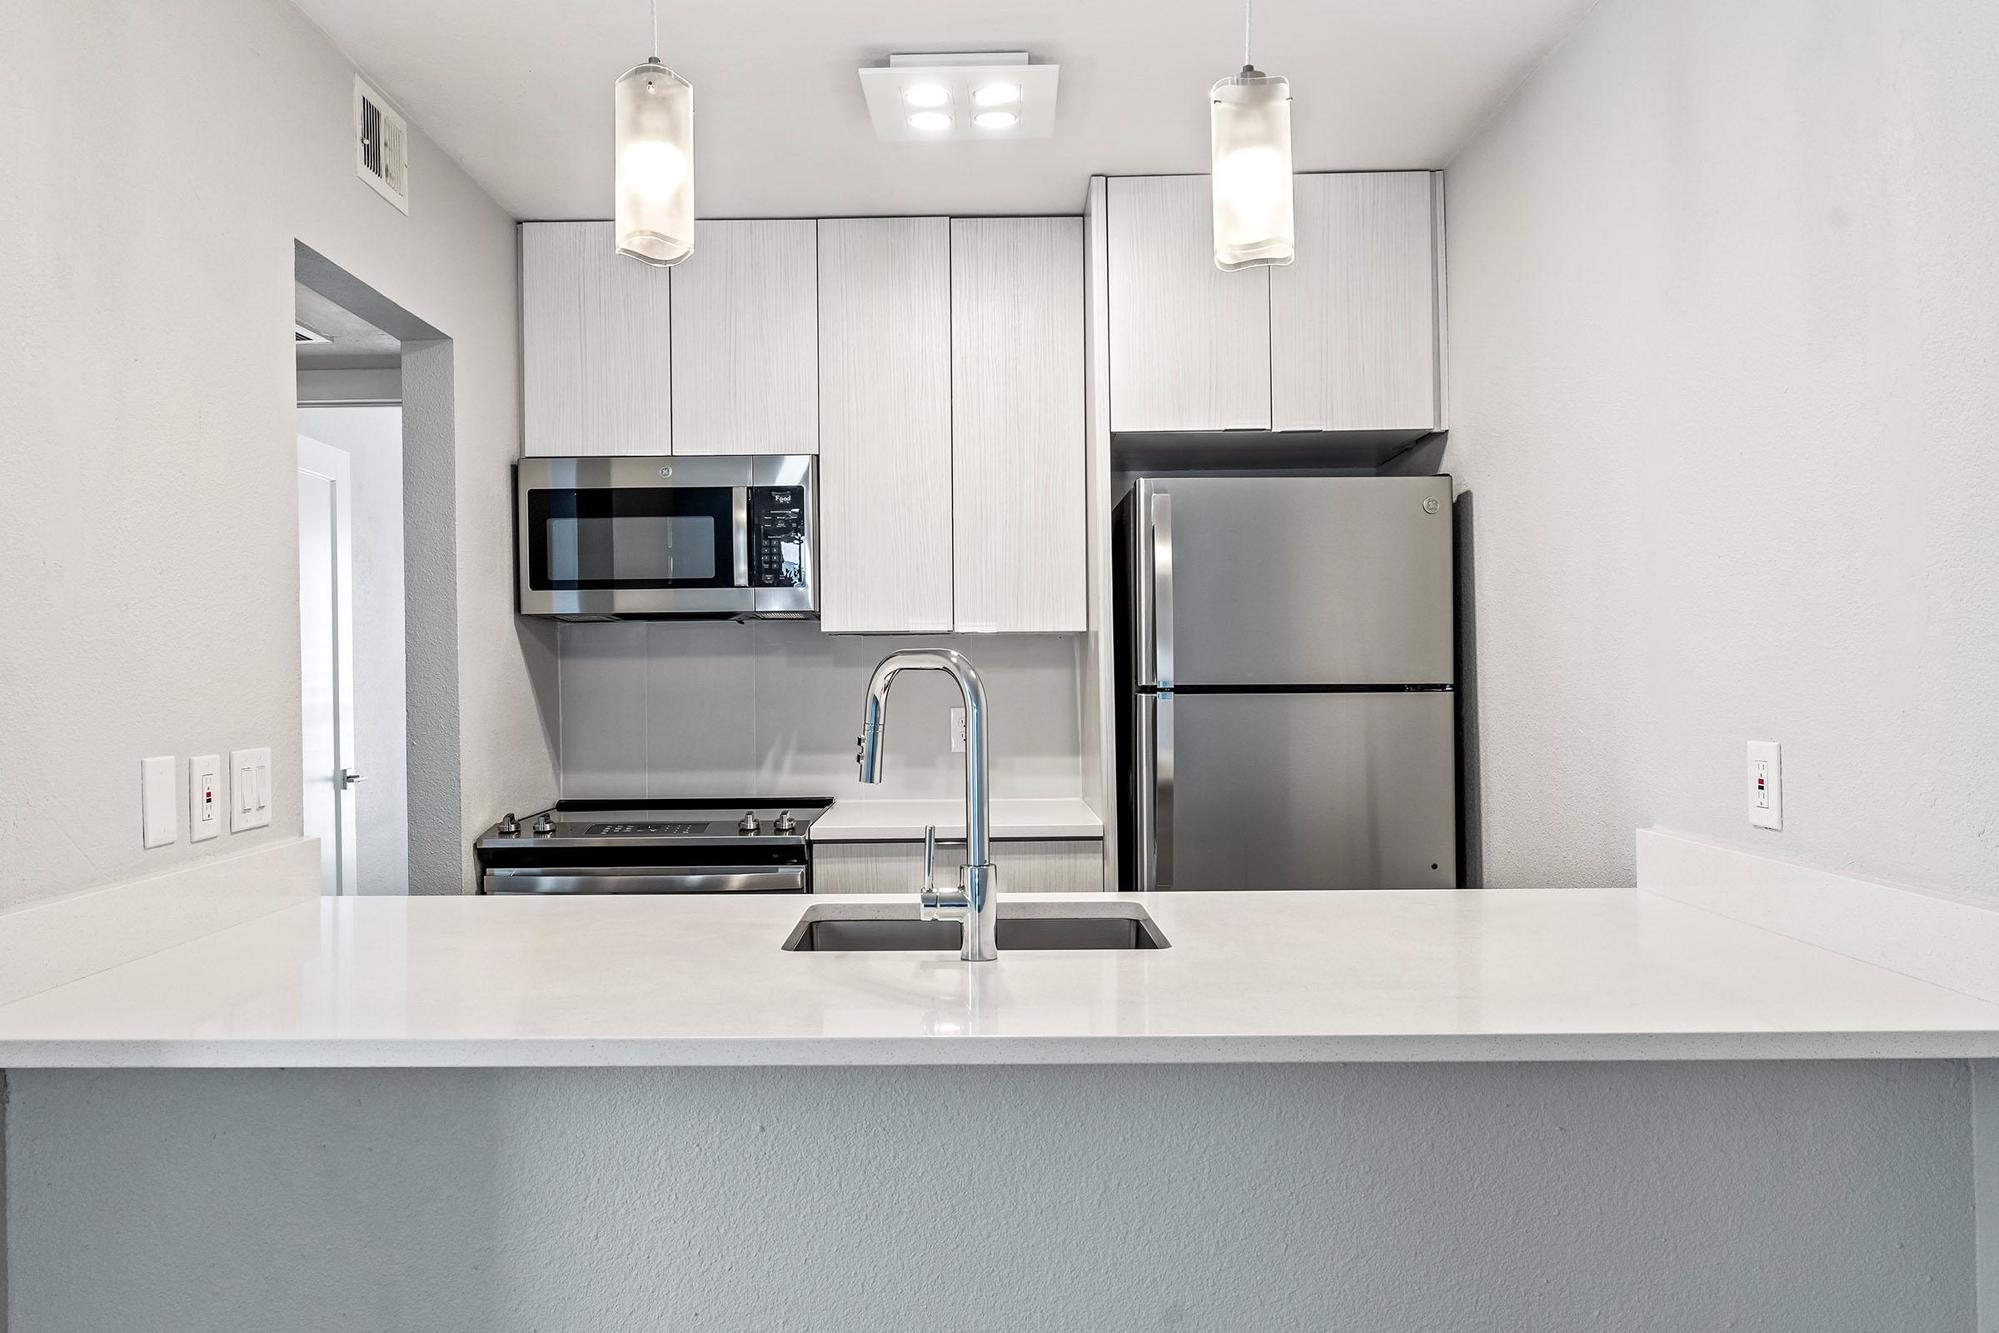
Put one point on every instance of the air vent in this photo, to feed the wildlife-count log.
(381, 145)
(302, 335)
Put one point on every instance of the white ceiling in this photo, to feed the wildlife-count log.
(519, 91)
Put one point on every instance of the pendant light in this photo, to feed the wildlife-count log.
(1250, 118)
(655, 161)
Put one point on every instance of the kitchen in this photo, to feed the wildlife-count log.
(1653, 290)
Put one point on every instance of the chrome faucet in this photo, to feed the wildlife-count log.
(973, 902)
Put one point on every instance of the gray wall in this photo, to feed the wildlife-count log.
(1820, 1198)
(701, 708)
(372, 437)
(149, 273)
(1722, 289)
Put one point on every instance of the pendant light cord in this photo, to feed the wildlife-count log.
(655, 31)
(1245, 34)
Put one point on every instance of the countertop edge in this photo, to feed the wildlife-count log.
(808, 1052)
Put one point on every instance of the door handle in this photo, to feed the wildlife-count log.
(349, 778)
(1162, 591)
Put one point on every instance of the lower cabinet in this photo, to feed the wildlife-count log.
(1065, 865)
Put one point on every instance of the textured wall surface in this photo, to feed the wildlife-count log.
(163, 159)
(1724, 322)
(771, 708)
(1820, 1198)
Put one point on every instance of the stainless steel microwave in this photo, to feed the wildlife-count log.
(625, 537)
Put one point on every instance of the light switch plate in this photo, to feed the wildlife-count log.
(249, 789)
(159, 802)
(1765, 785)
(204, 797)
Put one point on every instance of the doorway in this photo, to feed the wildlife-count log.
(353, 728)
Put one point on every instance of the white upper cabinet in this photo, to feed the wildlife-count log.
(1190, 344)
(745, 340)
(885, 343)
(595, 354)
(1016, 338)
(1355, 319)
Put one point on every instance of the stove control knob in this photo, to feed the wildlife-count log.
(748, 823)
(785, 823)
(509, 826)
(543, 825)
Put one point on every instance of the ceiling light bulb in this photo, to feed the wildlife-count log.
(997, 94)
(996, 120)
(930, 120)
(927, 95)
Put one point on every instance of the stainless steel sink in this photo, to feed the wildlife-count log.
(873, 928)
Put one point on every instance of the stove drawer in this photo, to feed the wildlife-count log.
(644, 879)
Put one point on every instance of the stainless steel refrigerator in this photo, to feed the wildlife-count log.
(1287, 663)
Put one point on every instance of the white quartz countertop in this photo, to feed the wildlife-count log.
(887, 821)
(1573, 974)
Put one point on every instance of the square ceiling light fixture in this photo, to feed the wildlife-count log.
(961, 95)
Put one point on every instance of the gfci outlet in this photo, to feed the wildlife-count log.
(957, 731)
(1766, 785)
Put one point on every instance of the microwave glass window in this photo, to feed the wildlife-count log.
(631, 537)
(646, 548)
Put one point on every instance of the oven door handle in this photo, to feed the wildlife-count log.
(645, 879)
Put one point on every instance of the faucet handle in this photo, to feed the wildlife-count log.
(936, 906)
(930, 858)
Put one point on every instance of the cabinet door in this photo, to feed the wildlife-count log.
(595, 346)
(745, 340)
(1017, 423)
(885, 424)
(1190, 344)
(1354, 328)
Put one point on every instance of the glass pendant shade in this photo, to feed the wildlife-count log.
(655, 164)
(1251, 122)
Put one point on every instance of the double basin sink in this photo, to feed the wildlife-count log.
(1023, 925)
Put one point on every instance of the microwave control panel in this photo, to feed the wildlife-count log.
(777, 536)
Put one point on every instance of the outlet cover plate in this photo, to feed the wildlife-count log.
(1765, 785)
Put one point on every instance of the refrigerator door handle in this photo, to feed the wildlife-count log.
(1162, 782)
(1162, 591)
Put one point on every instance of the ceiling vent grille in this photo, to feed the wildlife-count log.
(381, 145)
(302, 335)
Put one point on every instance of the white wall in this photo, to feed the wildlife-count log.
(162, 161)
(771, 708)
(372, 437)
(1725, 376)
(1832, 1197)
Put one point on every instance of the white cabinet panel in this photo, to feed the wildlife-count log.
(1017, 423)
(1068, 865)
(745, 340)
(885, 424)
(1354, 331)
(1190, 344)
(627, 350)
(595, 345)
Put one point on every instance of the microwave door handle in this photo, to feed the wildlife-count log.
(1162, 591)
(739, 522)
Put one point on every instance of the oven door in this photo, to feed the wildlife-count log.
(633, 536)
(645, 879)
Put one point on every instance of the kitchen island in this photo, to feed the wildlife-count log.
(1557, 1110)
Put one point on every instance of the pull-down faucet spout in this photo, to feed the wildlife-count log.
(974, 903)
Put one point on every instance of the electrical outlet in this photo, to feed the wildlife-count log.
(957, 731)
(1766, 785)
(204, 797)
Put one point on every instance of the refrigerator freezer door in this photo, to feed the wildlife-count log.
(1294, 580)
(1298, 791)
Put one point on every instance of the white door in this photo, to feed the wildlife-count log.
(326, 658)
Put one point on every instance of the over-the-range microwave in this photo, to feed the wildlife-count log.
(625, 537)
